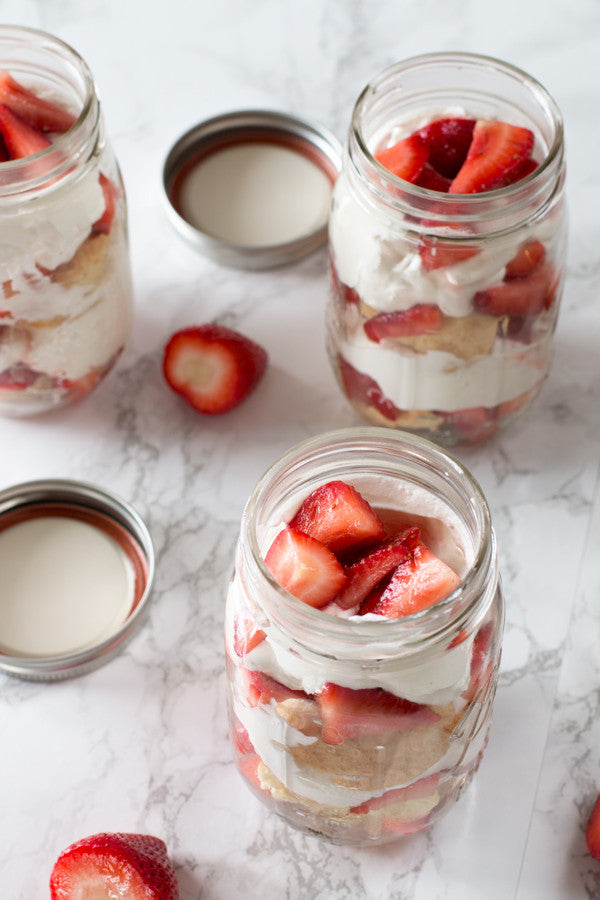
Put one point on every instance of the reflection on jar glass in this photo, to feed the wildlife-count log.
(66, 299)
(444, 304)
(358, 725)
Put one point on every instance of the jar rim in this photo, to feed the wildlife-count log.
(445, 208)
(385, 637)
(45, 168)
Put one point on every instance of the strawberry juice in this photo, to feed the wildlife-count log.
(363, 635)
(447, 244)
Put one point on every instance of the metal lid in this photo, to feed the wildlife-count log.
(252, 189)
(77, 567)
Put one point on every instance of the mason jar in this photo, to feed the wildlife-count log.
(66, 299)
(443, 305)
(414, 693)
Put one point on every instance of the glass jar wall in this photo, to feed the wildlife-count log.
(361, 728)
(66, 298)
(444, 305)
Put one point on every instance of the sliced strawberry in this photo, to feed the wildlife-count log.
(424, 318)
(527, 258)
(241, 738)
(361, 388)
(348, 713)
(432, 180)
(337, 515)
(424, 787)
(4, 156)
(248, 766)
(305, 568)
(262, 689)
(135, 866)
(364, 575)
(42, 114)
(373, 597)
(416, 584)
(18, 377)
(592, 831)
(496, 155)
(448, 141)
(21, 138)
(481, 661)
(474, 423)
(436, 253)
(246, 633)
(525, 169)
(405, 159)
(518, 297)
(212, 367)
(111, 195)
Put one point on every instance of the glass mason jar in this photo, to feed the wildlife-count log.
(417, 690)
(480, 273)
(66, 300)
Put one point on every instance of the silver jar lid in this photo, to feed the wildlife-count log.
(76, 570)
(252, 189)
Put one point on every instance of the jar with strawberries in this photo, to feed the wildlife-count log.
(447, 244)
(66, 300)
(363, 632)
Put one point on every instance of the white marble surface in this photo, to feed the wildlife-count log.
(141, 744)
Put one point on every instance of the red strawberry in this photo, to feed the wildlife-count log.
(364, 575)
(111, 195)
(424, 787)
(305, 568)
(496, 155)
(432, 180)
(337, 515)
(416, 584)
(436, 253)
(481, 661)
(361, 388)
(405, 159)
(135, 866)
(423, 318)
(212, 367)
(372, 598)
(18, 377)
(448, 141)
(348, 713)
(42, 114)
(262, 689)
(21, 138)
(519, 296)
(592, 831)
(528, 257)
(246, 633)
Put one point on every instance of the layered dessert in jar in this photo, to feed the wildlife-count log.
(65, 283)
(447, 244)
(363, 635)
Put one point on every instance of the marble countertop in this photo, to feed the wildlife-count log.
(141, 744)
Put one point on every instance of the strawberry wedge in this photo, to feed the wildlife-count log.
(497, 155)
(42, 114)
(337, 515)
(365, 574)
(305, 567)
(135, 866)
(348, 713)
(406, 159)
(448, 141)
(21, 138)
(424, 318)
(416, 584)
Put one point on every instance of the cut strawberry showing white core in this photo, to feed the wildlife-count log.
(213, 367)
(110, 866)
(305, 567)
(416, 584)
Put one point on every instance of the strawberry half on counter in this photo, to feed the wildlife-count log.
(212, 367)
(114, 866)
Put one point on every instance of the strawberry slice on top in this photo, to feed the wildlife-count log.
(338, 516)
(365, 574)
(405, 159)
(213, 367)
(419, 582)
(21, 138)
(497, 154)
(105, 865)
(448, 141)
(305, 567)
(39, 112)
